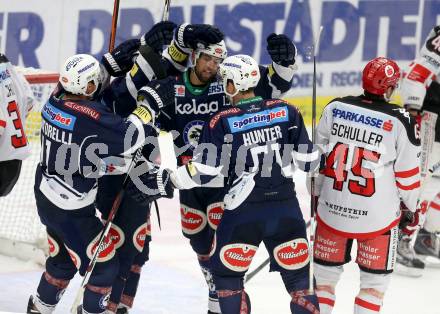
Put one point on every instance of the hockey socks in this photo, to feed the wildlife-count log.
(213, 302)
(131, 286)
(95, 299)
(234, 302)
(304, 303)
(367, 304)
(49, 292)
(326, 299)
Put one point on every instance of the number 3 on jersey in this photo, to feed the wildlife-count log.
(20, 140)
(336, 166)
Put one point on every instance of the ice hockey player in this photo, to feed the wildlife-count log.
(16, 100)
(421, 96)
(261, 137)
(130, 227)
(198, 96)
(79, 135)
(372, 163)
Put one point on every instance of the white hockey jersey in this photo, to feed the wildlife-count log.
(16, 100)
(372, 163)
(422, 71)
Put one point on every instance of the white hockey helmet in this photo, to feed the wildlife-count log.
(242, 70)
(217, 50)
(78, 71)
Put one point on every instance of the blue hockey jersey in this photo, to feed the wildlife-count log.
(82, 140)
(256, 146)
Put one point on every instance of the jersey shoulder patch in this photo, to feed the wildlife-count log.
(274, 102)
(221, 114)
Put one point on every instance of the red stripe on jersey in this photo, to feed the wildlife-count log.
(419, 73)
(434, 205)
(360, 235)
(408, 187)
(2, 123)
(327, 301)
(407, 173)
(367, 305)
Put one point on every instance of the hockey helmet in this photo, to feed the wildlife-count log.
(78, 71)
(217, 50)
(242, 70)
(379, 74)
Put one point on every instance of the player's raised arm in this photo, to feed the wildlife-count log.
(276, 79)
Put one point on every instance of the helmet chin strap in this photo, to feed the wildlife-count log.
(225, 84)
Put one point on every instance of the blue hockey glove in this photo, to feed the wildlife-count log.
(121, 59)
(281, 49)
(198, 35)
(159, 35)
(148, 184)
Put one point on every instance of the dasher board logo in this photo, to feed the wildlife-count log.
(259, 119)
(58, 117)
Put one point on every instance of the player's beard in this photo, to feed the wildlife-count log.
(203, 77)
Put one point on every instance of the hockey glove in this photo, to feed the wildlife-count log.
(159, 35)
(281, 49)
(121, 59)
(148, 184)
(155, 96)
(411, 222)
(198, 35)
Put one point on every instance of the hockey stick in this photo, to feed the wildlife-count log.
(115, 15)
(118, 199)
(262, 265)
(166, 10)
(312, 179)
(120, 195)
(103, 236)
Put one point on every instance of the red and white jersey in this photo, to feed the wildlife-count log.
(16, 100)
(422, 71)
(372, 162)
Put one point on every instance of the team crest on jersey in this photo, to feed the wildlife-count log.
(179, 90)
(215, 213)
(192, 132)
(237, 256)
(54, 247)
(293, 254)
(106, 252)
(74, 257)
(58, 117)
(193, 220)
(139, 237)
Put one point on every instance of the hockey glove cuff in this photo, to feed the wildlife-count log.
(148, 184)
(157, 95)
(197, 35)
(121, 59)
